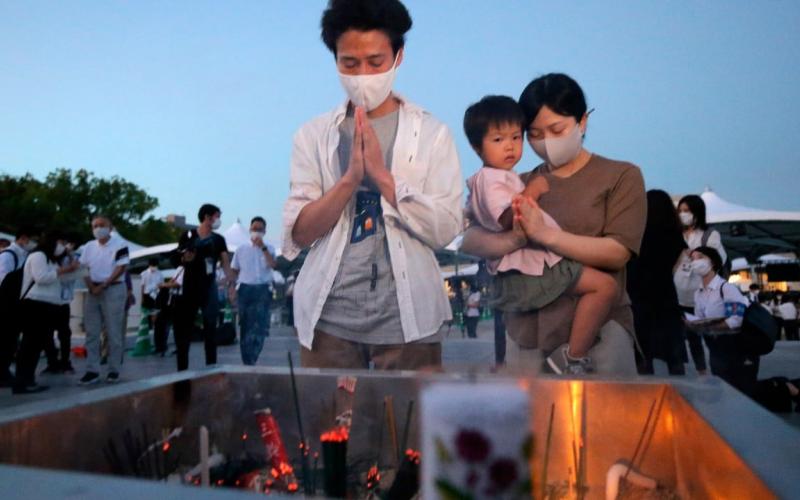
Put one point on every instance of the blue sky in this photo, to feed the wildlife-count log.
(197, 101)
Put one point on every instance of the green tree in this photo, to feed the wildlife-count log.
(67, 200)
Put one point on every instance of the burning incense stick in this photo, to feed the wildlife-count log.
(547, 450)
(647, 432)
(334, 456)
(205, 478)
(380, 436)
(389, 401)
(407, 425)
(303, 443)
(582, 448)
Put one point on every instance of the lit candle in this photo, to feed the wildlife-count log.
(476, 440)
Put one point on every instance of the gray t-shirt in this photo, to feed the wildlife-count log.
(362, 304)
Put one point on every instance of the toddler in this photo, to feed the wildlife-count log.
(529, 278)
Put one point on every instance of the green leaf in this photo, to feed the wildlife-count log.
(441, 451)
(448, 491)
(527, 447)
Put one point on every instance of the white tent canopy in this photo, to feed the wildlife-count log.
(132, 247)
(752, 232)
(235, 236)
(719, 211)
(468, 270)
(154, 250)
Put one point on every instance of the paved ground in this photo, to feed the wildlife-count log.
(458, 353)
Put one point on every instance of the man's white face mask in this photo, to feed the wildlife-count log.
(369, 91)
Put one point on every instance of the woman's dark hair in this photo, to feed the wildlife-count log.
(713, 256)
(698, 208)
(207, 210)
(492, 110)
(661, 213)
(558, 92)
(47, 245)
(388, 16)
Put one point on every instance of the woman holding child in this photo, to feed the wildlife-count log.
(583, 208)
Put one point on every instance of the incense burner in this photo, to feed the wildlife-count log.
(700, 439)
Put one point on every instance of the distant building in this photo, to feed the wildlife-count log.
(178, 221)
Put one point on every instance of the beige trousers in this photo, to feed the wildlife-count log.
(612, 354)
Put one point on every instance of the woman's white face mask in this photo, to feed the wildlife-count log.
(369, 91)
(701, 267)
(687, 219)
(558, 151)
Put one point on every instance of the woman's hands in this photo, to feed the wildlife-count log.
(530, 218)
(601, 252)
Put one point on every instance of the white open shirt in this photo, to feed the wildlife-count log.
(428, 187)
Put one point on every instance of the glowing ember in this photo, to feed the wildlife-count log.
(335, 435)
(413, 456)
(165, 447)
(373, 477)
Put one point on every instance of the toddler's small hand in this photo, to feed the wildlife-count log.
(531, 218)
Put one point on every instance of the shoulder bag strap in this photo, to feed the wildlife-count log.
(13, 254)
(705, 237)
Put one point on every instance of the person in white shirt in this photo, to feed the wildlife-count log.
(252, 265)
(787, 312)
(11, 259)
(473, 311)
(375, 188)
(58, 359)
(719, 312)
(107, 259)
(40, 300)
(151, 280)
(696, 233)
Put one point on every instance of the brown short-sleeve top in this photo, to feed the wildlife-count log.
(604, 198)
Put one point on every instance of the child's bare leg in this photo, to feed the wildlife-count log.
(597, 292)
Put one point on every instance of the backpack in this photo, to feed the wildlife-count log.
(11, 286)
(759, 329)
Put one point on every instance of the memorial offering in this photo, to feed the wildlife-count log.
(476, 441)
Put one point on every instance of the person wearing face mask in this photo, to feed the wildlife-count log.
(151, 280)
(12, 259)
(600, 206)
(58, 359)
(528, 279)
(199, 291)
(40, 302)
(718, 315)
(696, 233)
(252, 265)
(375, 188)
(107, 259)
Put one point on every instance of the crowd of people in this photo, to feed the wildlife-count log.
(591, 273)
(39, 274)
